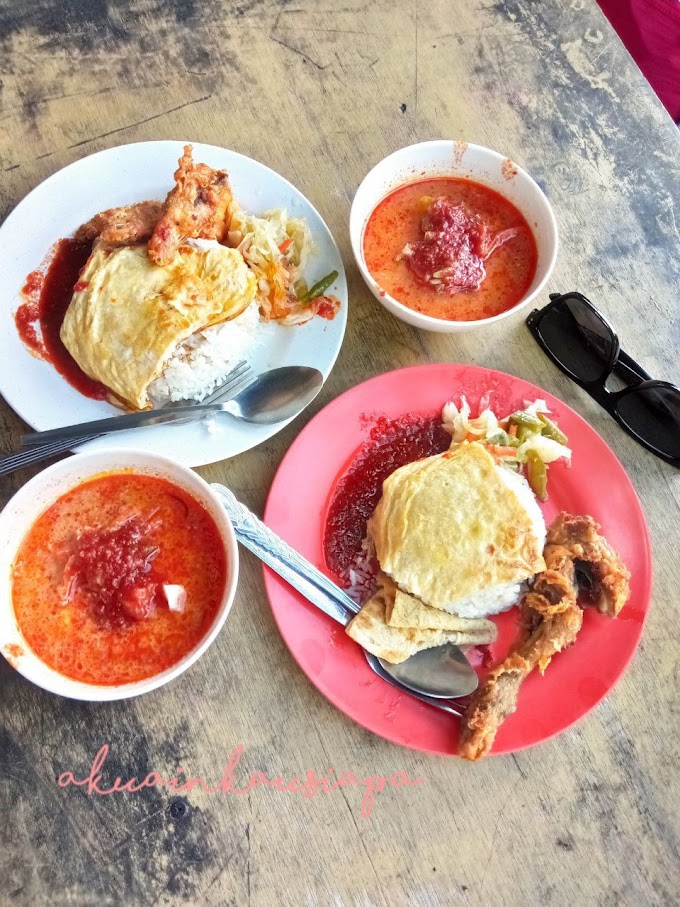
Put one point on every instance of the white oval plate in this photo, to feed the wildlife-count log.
(121, 176)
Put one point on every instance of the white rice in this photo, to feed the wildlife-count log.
(499, 598)
(361, 576)
(202, 362)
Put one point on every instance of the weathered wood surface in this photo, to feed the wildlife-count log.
(320, 92)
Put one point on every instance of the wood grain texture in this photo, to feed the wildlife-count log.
(320, 92)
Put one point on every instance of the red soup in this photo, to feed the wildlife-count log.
(119, 579)
(451, 249)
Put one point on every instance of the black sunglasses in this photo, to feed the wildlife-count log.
(582, 343)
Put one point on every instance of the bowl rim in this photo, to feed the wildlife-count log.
(29, 664)
(404, 312)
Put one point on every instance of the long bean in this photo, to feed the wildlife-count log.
(320, 288)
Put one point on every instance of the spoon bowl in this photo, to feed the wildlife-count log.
(276, 395)
(442, 672)
(376, 665)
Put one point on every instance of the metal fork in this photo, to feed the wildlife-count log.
(241, 374)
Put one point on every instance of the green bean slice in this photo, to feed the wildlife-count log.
(320, 288)
(523, 432)
(551, 430)
(537, 475)
(527, 420)
(503, 439)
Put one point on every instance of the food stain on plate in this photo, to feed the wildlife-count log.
(314, 654)
(13, 652)
(591, 689)
(392, 708)
(459, 149)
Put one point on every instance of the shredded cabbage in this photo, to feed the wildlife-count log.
(547, 449)
(276, 247)
(487, 428)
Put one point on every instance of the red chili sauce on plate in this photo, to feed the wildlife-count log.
(451, 249)
(47, 294)
(392, 443)
(87, 581)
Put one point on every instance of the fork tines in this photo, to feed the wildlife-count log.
(239, 377)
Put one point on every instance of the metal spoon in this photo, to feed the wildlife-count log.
(376, 665)
(277, 395)
(444, 672)
(273, 396)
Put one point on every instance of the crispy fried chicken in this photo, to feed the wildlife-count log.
(122, 226)
(197, 208)
(550, 619)
(608, 587)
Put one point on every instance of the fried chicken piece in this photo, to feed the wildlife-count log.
(197, 208)
(609, 586)
(124, 226)
(550, 621)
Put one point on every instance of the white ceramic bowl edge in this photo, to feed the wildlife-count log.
(464, 160)
(34, 498)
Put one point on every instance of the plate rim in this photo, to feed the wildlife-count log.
(272, 580)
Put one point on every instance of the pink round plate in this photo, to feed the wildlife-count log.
(576, 680)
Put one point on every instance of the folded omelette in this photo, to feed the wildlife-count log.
(370, 628)
(450, 526)
(406, 611)
(129, 315)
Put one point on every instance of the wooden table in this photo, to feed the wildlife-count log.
(321, 93)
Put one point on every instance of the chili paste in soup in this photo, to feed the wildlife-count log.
(119, 579)
(451, 249)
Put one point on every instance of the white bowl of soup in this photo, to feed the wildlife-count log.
(451, 236)
(117, 571)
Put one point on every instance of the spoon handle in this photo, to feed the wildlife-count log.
(284, 560)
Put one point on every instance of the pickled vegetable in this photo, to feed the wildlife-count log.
(550, 430)
(537, 475)
(523, 432)
(320, 288)
(503, 439)
(526, 420)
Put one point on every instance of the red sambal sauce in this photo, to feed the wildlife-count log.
(47, 295)
(392, 443)
(87, 581)
(483, 238)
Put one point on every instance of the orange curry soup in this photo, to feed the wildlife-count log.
(396, 221)
(89, 580)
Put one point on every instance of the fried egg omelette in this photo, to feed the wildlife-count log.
(128, 315)
(458, 532)
(372, 629)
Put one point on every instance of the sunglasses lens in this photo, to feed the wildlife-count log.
(577, 337)
(653, 413)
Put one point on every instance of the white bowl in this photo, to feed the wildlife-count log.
(34, 498)
(460, 159)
